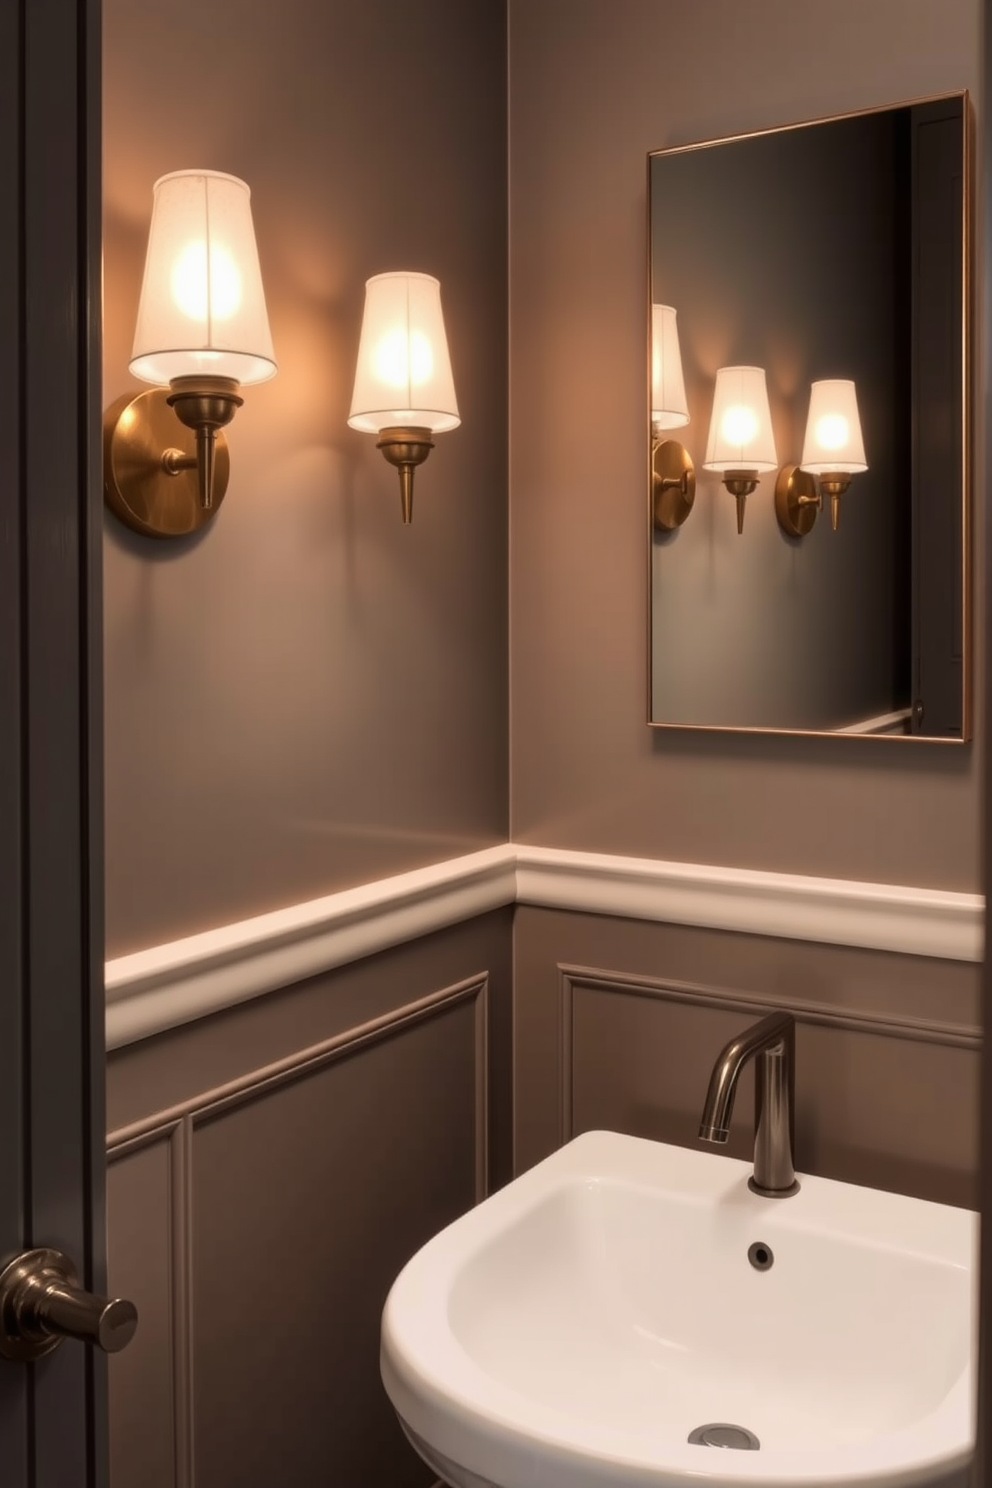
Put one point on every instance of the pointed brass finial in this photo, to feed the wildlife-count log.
(740, 484)
(406, 449)
(834, 485)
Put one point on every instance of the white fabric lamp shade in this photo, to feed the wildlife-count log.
(202, 308)
(669, 408)
(833, 444)
(741, 435)
(403, 378)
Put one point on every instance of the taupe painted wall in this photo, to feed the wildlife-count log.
(594, 85)
(310, 695)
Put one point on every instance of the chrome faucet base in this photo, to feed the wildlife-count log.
(774, 1193)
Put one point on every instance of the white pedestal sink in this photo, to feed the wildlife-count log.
(577, 1328)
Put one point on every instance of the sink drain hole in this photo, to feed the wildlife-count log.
(722, 1434)
(761, 1256)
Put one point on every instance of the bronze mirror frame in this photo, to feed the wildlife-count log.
(679, 500)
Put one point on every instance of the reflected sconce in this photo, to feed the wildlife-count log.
(741, 446)
(673, 475)
(833, 451)
(404, 390)
(203, 332)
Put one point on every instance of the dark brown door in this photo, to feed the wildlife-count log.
(52, 1412)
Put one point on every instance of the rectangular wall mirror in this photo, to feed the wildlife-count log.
(808, 365)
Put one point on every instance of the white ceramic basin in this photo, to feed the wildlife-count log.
(574, 1329)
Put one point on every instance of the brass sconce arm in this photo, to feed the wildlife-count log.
(799, 498)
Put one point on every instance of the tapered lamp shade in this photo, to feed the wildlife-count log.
(669, 409)
(833, 444)
(202, 308)
(740, 435)
(403, 378)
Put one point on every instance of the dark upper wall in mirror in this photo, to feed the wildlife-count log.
(831, 250)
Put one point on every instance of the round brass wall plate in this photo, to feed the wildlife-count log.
(674, 484)
(797, 503)
(137, 431)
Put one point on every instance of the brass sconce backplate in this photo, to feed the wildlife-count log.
(674, 484)
(149, 467)
(797, 502)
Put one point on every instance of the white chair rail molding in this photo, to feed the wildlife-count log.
(168, 985)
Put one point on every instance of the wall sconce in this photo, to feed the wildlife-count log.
(673, 475)
(833, 450)
(741, 445)
(202, 328)
(404, 391)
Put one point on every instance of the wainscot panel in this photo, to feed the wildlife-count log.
(617, 1024)
(261, 1207)
(147, 1259)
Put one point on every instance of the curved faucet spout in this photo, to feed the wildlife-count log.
(772, 1041)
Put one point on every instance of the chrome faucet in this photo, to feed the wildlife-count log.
(772, 1043)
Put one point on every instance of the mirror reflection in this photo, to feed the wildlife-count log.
(808, 355)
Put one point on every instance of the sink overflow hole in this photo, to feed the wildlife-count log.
(721, 1434)
(761, 1256)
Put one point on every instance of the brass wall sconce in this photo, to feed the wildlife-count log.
(741, 445)
(203, 330)
(833, 452)
(673, 475)
(404, 390)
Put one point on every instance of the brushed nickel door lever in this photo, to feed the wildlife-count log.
(41, 1303)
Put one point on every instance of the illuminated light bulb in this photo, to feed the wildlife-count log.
(402, 359)
(739, 424)
(832, 431)
(194, 291)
